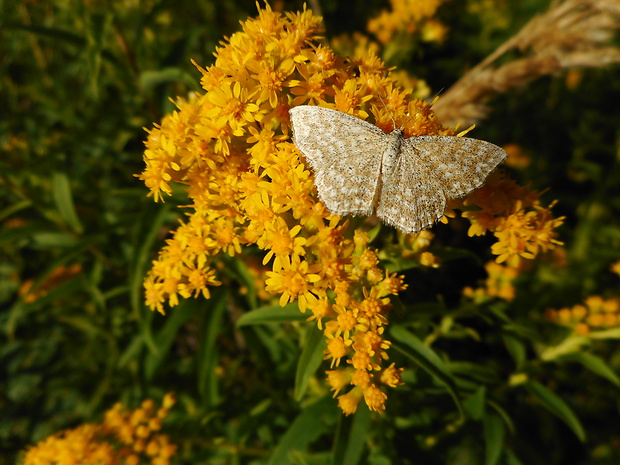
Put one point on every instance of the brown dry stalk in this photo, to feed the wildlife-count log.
(572, 33)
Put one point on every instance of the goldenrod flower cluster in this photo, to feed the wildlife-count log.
(249, 190)
(594, 314)
(79, 445)
(498, 284)
(124, 438)
(408, 17)
(515, 216)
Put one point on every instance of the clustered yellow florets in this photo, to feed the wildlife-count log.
(522, 226)
(249, 187)
(594, 314)
(124, 437)
(498, 284)
(408, 17)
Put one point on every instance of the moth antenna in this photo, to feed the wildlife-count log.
(436, 97)
(388, 110)
(431, 104)
(410, 118)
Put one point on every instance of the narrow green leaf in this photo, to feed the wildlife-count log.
(494, 433)
(516, 348)
(596, 365)
(351, 437)
(613, 333)
(570, 345)
(61, 191)
(557, 406)
(132, 351)
(166, 336)
(309, 425)
(474, 404)
(475, 371)
(453, 253)
(357, 437)
(62, 35)
(428, 360)
(54, 240)
(13, 209)
(152, 78)
(208, 356)
(309, 361)
(269, 339)
(240, 270)
(271, 314)
(512, 459)
(503, 414)
(152, 218)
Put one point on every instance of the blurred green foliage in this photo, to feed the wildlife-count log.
(78, 82)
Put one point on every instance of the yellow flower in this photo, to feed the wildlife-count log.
(293, 281)
(391, 376)
(374, 398)
(408, 17)
(337, 348)
(79, 445)
(249, 188)
(596, 313)
(339, 379)
(498, 284)
(522, 226)
(119, 439)
(348, 402)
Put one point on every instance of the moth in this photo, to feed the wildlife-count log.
(361, 170)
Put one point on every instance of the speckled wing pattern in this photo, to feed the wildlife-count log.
(460, 164)
(345, 153)
(411, 199)
(361, 170)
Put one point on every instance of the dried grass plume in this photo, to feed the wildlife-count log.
(571, 34)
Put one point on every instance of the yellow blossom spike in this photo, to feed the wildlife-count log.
(251, 195)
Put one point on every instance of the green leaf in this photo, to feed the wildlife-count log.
(14, 209)
(309, 361)
(494, 433)
(453, 253)
(61, 35)
(516, 348)
(351, 437)
(595, 364)
(61, 191)
(152, 218)
(271, 314)
(240, 271)
(570, 345)
(557, 406)
(475, 371)
(397, 265)
(164, 339)
(132, 351)
(511, 458)
(152, 78)
(474, 404)
(613, 333)
(208, 355)
(428, 360)
(309, 425)
(54, 240)
(503, 414)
